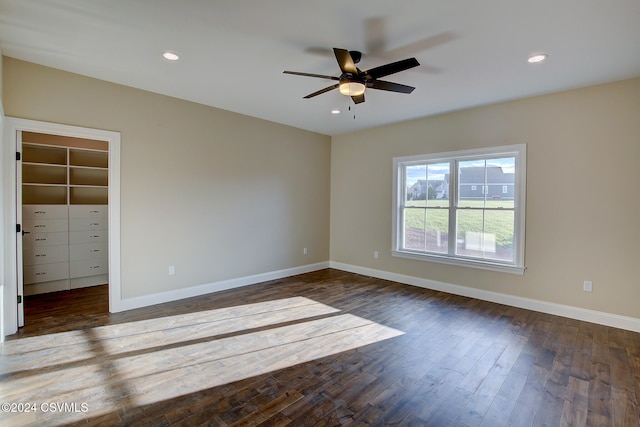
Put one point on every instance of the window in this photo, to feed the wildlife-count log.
(469, 210)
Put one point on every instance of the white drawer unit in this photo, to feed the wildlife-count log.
(87, 251)
(89, 267)
(45, 239)
(88, 245)
(35, 255)
(45, 244)
(45, 211)
(93, 236)
(46, 272)
(88, 211)
(64, 246)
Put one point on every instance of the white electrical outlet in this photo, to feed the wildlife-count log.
(172, 270)
(375, 254)
(588, 286)
(305, 251)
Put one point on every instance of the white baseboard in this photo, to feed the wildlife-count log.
(159, 298)
(599, 317)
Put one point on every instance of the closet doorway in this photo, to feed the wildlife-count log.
(64, 194)
(67, 210)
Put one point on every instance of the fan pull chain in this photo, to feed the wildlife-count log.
(349, 107)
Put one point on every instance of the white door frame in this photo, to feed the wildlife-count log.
(12, 125)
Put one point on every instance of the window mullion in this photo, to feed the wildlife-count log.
(426, 229)
(453, 196)
(400, 211)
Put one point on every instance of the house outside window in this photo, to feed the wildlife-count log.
(470, 211)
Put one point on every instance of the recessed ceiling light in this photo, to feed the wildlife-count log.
(170, 56)
(538, 57)
(335, 111)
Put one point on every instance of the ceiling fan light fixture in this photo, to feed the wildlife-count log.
(351, 88)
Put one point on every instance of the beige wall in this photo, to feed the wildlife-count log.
(583, 202)
(217, 194)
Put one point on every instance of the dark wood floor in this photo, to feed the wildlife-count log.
(322, 349)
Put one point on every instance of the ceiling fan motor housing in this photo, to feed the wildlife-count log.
(356, 56)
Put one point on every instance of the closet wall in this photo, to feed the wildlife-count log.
(64, 195)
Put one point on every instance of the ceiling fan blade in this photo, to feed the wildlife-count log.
(345, 61)
(358, 99)
(392, 68)
(320, 76)
(375, 34)
(391, 87)
(321, 91)
(421, 45)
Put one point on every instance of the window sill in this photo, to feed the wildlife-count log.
(462, 262)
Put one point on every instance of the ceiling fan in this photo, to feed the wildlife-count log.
(353, 81)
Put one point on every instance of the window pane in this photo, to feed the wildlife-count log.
(471, 184)
(469, 225)
(426, 229)
(486, 183)
(437, 233)
(415, 179)
(486, 234)
(500, 225)
(501, 182)
(438, 185)
(414, 229)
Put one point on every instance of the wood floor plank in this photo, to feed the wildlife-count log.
(326, 348)
(527, 404)
(600, 401)
(624, 407)
(576, 404)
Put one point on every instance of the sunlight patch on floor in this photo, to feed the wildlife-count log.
(138, 363)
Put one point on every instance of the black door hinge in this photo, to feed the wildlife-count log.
(18, 228)
(19, 299)
(18, 155)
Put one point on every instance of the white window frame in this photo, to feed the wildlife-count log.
(399, 163)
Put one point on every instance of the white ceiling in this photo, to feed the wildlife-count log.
(233, 52)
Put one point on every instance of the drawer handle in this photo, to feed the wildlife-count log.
(95, 223)
(41, 273)
(95, 250)
(94, 212)
(94, 266)
(41, 255)
(40, 226)
(96, 236)
(40, 212)
(39, 239)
